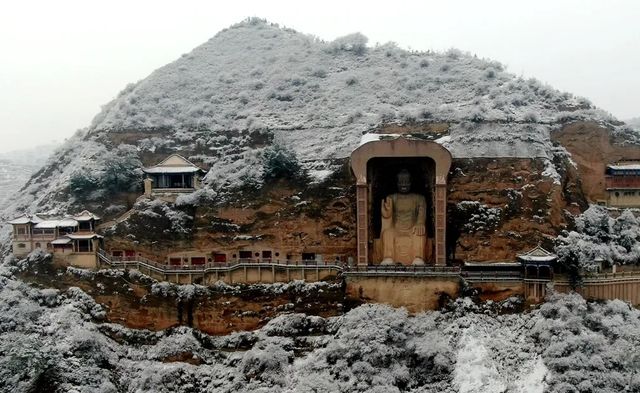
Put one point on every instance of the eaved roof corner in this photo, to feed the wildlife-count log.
(175, 163)
(25, 219)
(86, 215)
(537, 254)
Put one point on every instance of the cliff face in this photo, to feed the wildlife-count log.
(135, 302)
(592, 146)
(500, 207)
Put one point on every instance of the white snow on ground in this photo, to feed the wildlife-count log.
(550, 171)
(475, 369)
(532, 377)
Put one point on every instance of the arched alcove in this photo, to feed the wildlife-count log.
(375, 164)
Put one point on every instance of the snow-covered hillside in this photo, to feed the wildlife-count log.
(320, 97)
(58, 341)
(255, 84)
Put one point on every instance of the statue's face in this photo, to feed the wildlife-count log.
(404, 183)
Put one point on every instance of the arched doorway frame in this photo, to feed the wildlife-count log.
(387, 145)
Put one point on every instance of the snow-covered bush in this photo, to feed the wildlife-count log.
(153, 220)
(113, 171)
(267, 362)
(477, 217)
(598, 236)
(356, 43)
(281, 162)
(202, 197)
(289, 325)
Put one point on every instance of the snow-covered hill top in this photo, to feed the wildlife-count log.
(256, 76)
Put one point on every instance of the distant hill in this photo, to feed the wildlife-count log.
(16, 167)
(634, 122)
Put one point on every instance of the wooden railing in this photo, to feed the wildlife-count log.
(401, 270)
(136, 261)
(622, 182)
(370, 270)
(494, 275)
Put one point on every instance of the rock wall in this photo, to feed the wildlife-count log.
(416, 294)
(592, 147)
(131, 302)
(499, 207)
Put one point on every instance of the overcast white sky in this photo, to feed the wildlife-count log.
(61, 60)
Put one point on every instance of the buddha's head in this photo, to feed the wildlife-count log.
(404, 181)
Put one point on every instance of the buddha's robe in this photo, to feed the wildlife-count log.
(403, 232)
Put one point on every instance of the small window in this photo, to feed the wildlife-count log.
(257, 254)
(245, 254)
(277, 254)
(175, 261)
(22, 245)
(266, 254)
(219, 257)
(308, 256)
(617, 194)
(198, 260)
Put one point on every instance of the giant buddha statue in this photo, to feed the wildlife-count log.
(403, 232)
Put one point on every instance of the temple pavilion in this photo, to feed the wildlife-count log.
(175, 174)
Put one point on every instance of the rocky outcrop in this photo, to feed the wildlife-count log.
(130, 300)
(593, 146)
(499, 207)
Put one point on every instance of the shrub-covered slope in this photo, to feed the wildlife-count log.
(58, 341)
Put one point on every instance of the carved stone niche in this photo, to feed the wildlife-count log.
(376, 164)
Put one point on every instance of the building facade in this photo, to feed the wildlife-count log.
(72, 239)
(622, 182)
(174, 175)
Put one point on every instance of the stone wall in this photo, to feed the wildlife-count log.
(414, 293)
(626, 289)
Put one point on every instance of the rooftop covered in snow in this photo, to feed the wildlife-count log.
(175, 163)
(25, 219)
(537, 255)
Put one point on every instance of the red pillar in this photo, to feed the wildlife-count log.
(441, 223)
(362, 223)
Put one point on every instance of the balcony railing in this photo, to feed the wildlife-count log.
(137, 261)
(622, 182)
(171, 190)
